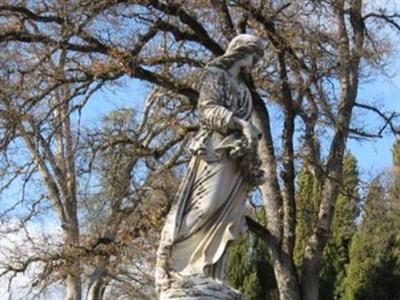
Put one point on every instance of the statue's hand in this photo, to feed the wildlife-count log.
(250, 133)
(246, 143)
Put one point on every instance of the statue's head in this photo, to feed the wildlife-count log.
(239, 48)
(245, 43)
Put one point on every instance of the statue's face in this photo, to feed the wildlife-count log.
(248, 62)
(258, 55)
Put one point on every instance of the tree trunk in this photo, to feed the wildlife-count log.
(73, 288)
(96, 285)
(73, 284)
(284, 270)
(310, 270)
(286, 280)
(350, 55)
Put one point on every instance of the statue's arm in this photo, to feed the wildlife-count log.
(211, 106)
(212, 110)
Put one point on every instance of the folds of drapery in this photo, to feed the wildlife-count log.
(208, 211)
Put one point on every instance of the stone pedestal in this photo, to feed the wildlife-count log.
(199, 288)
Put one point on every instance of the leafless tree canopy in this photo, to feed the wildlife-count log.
(103, 190)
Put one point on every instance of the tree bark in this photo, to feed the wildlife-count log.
(73, 287)
(286, 279)
(282, 263)
(73, 283)
(96, 285)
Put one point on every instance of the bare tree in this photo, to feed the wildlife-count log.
(318, 53)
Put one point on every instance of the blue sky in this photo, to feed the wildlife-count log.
(373, 155)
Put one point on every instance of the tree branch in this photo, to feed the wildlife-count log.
(387, 18)
(261, 232)
(388, 119)
(223, 12)
(31, 15)
(179, 12)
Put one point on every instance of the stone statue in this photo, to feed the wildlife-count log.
(224, 168)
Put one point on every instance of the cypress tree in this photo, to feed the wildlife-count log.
(307, 200)
(394, 206)
(374, 270)
(249, 269)
(336, 253)
(394, 192)
(370, 252)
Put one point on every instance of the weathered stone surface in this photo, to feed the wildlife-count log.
(199, 288)
(225, 166)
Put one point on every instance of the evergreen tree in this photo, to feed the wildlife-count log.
(249, 268)
(394, 191)
(396, 153)
(308, 197)
(371, 253)
(394, 200)
(336, 254)
(374, 270)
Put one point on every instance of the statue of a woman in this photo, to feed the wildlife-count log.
(224, 168)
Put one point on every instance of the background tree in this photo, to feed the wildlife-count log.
(394, 190)
(374, 269)
(249, 265)
(336, 253)
(308, 198)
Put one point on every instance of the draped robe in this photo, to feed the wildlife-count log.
(208, 212)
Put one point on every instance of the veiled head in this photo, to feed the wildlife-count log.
(240, 47)
(245, 42)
